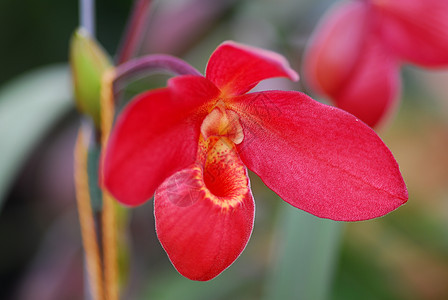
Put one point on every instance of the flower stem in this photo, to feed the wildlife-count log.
(110, 248)
(102, 265)
(87, 15)
(109, 222)
(86, 218)
(135, 30)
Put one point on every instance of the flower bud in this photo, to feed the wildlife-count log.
(88, 62)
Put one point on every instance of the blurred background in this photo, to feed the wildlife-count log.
(403, 255)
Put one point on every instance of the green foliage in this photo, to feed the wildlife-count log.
(306, 258)
(29, 106)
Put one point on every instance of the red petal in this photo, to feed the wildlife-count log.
(235, 68)
(335, 47)
(417, 30)
(155, 136)
(372, 92)
(204, 214)
(318, 158)
(194, 89)
(346, 61)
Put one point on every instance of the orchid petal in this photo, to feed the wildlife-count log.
(189, 88)
(204, 214)
(235, 68)
(318, 158)
(372, 93)
(335, 47)
(416, 30)
(155, 136)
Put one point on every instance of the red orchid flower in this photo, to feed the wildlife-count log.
(354, 55)
(190, 144)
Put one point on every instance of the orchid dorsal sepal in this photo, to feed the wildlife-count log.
(151, 64)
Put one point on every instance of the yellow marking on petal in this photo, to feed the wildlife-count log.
(223, 173)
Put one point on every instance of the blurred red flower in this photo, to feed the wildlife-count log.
(190, 143)
(354, 55)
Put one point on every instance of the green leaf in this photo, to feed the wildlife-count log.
(306, 256)
(29, 106)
